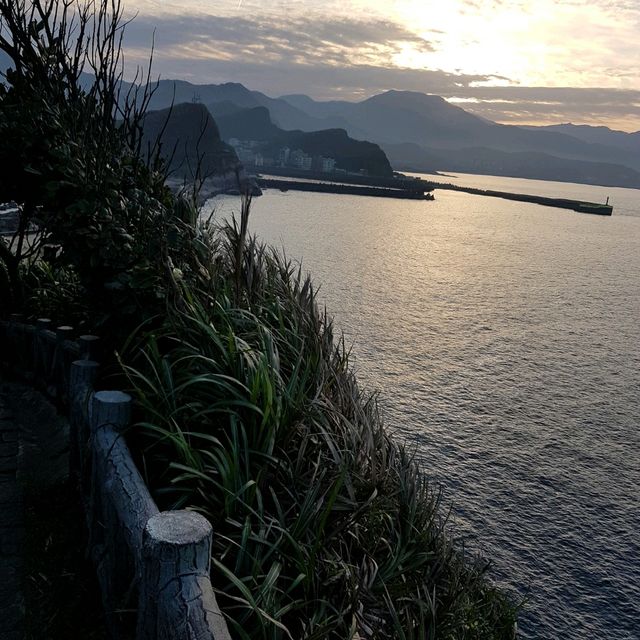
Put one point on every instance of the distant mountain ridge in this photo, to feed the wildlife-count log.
(519, 164)
(436, 126)
(397, 117)
(596, 135)
(284, 114)
(253, 123)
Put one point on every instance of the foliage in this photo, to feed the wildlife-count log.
(250, 413)
(73, 161)
(55, 292)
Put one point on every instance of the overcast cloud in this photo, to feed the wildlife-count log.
(325, 41)
(331, 57)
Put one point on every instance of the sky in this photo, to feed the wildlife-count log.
(512, 61)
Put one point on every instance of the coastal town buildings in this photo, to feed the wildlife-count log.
(250, 153)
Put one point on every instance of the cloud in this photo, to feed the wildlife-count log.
(352, 58)
(330, 41)
(327, 57)
(617, 108)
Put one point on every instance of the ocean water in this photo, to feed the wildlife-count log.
(504, 339)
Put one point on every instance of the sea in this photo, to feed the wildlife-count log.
(504, 341)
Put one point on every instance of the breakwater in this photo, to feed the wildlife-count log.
(397, 181)
(405, 187)
(559, 203)
(345, 189)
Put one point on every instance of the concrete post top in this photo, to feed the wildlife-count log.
(64, 329)
(85, 364)
(178, 527)
(112, 397)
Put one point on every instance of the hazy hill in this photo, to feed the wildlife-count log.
(332, 113)
(397, 116)
(522, 164)
(245, 124)
(220, 109)
(597, 135)
(350, 154)
(405, 116)
(283, 113)
(189, 134)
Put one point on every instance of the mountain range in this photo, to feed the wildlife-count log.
(424, 132)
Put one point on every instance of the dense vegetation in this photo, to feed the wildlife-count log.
(247, 408)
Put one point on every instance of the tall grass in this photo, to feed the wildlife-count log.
(324, 527)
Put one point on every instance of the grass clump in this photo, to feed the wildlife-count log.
(250, 413)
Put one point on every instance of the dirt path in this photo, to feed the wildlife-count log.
(11, 527)
(33, 456)
(48, 588)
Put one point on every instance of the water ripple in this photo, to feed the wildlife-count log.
(504, 339)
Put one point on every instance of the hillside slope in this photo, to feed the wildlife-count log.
(596, 135)
(170, 92)
(349, 154)
(188, 136)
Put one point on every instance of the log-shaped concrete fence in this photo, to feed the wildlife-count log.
(156, 564)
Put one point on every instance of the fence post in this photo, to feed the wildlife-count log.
(110, 412)
(176, 600)
(41, 353)
(110, 408)
(89, 347)
(82, 377)
(15, 339)
(59, 367)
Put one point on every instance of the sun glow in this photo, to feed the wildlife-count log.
(546, 42)
(473, 42)
(534, 43)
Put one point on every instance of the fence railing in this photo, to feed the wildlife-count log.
(157, 561)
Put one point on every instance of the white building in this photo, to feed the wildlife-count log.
(327, 165)
(300, 160)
